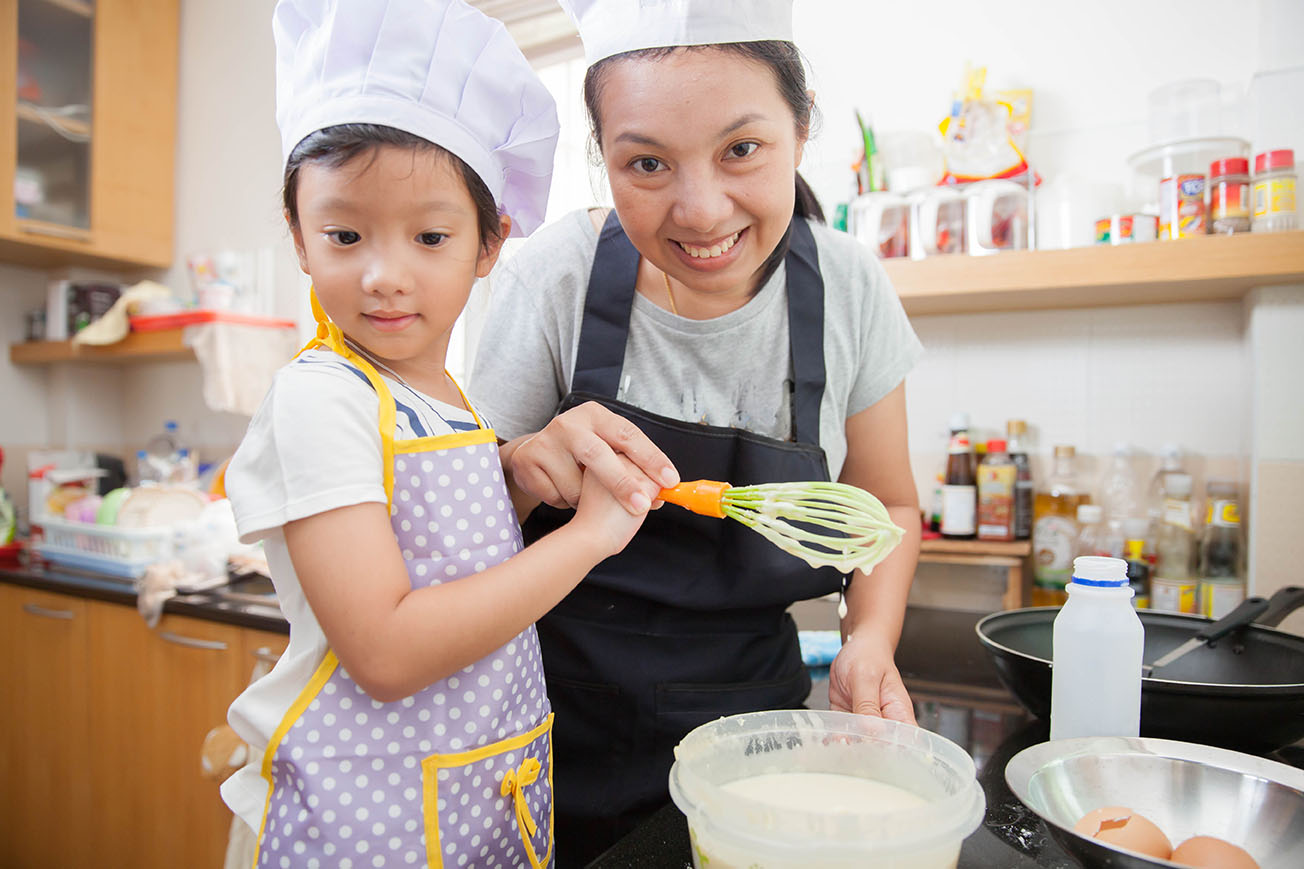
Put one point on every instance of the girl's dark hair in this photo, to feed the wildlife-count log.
(335, 146)
(784, 61)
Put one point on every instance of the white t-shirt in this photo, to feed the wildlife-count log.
(733, 370)
(312, 446)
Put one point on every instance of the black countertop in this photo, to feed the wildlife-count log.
(204, 605)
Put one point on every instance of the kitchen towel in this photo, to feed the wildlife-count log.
(239, 361)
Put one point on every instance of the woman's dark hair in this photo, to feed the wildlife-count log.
(784, 61)
(335, 146)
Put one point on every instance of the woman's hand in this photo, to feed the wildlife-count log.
(590, 439)
(864, 679)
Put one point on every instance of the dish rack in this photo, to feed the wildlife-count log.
(120, 552)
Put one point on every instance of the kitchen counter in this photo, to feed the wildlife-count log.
(205, 605)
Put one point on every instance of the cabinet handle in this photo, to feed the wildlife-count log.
(34, 609)
(68, 233)
(193, 642)
(266, 655)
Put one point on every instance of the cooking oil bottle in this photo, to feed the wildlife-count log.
(1055, 530)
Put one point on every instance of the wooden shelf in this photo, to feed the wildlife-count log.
(72, 126)
(1213, 267)
(1009, 557)
(161, 346)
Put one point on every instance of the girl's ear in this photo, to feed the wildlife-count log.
(489, 251)
(297, 234)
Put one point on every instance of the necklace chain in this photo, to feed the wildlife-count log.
(670, 294)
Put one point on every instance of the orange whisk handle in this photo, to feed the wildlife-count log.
(701, 496)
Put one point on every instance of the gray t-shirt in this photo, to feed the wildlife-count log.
(733, 370)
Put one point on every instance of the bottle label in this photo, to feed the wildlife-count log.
(1274, 196)
(958, 506)
(1178, 513)
(1053, 538)
(1224, 513)
(1217, 599)
(1173, 595)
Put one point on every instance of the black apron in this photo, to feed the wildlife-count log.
(689, 622)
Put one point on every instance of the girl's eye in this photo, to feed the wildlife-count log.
(743, 149)
(344, 237)
(647, 165)
(432, 239)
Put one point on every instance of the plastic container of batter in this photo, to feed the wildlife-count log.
(812, 789)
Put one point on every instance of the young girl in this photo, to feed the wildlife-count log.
(407, 723)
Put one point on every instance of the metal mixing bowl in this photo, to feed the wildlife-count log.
(1185, 788)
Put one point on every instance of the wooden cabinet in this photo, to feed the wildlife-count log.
(88, 112)
(102, 728)
(44, 734)
(154, 695)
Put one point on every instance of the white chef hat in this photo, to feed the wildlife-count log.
(610, 27)
(435, 68)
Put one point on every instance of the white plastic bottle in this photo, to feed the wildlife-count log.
(1096, 662)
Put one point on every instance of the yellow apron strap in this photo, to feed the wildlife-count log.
(331, 337)
(478, 422)
(514, 784)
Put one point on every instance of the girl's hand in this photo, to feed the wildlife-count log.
(603, 518)
(590, 440)
(864, 679)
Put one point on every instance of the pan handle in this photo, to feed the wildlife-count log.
(1247, 612)
(1282, 603)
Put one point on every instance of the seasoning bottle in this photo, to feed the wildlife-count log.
(1173, 587)
(1097, 645)
(959, 488)
(1091, 531)
(997, 477)
(1229, 195)
(1222, 584)
(1138, 568)
(1016, 432)
(1273, 191)
(1055, 530)
(1181, 207)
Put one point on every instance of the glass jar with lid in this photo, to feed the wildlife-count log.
(1229, 195)
(1273, 191)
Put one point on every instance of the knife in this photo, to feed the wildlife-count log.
(1249, 610)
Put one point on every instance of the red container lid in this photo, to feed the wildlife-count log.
(996, 445)
(1229, 166)
(1269, 160)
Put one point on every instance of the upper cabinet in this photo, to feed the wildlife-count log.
(88, 112)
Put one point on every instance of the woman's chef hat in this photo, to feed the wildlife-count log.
(435, 68)
(610, 27)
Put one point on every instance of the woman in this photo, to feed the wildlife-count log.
(713, 311)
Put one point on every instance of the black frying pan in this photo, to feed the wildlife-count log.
(1244, 690)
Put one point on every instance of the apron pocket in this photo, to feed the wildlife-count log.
(682, 706)
(592, 739)
(493, 799)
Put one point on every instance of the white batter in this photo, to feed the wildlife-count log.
(824, 792)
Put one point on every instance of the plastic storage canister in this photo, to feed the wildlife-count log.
(1229, 195)
(1273, 192)
(1096, 659)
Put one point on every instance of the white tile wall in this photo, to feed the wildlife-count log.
(1275, 333)
(1146, 375)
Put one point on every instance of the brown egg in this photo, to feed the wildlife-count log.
(1206, 852)
(1124, 828)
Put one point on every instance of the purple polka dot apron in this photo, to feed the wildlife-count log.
(458, 774)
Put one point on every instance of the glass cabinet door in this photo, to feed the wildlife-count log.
(52, 179)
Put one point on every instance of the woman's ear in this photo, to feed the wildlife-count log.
(804, 135)
(297, 234)
(489, 251)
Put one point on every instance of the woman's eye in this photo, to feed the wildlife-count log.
(432, 239)
(344, 237)
(743, 149)
(647, 164)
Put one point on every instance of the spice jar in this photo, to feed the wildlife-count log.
(1229, 195)
(1274, 191)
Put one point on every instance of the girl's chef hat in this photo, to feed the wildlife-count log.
(610, 27)
(435, 68)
